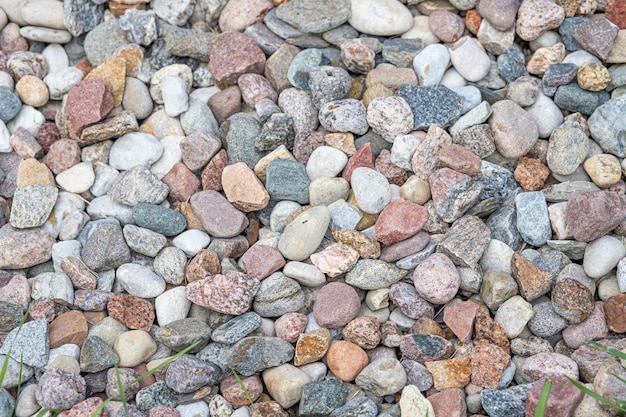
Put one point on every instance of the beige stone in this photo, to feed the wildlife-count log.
(593, 76)
(281, 152)
(544, 57)
(113, 71)
(285, 384)
(243, 189)
(603, 169)
(134, 347)
(32, 91)
(416, 190)
(32, 172)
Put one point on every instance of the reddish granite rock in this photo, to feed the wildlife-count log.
(404, 248)
(305, 142)
(70, 327)
(231, 293)
(12, 41)
(399, 220)
(235, 395)
(24, 248)
(225, 103)
(363, 332)
(255, 87)
(62, 154)
(84, 408)
(473, 21)
(45, 308)
(25, 145)
(133, 312)
(198, 148)
(572, 300)
(234, 54)
(346, 360)
(336, 304)
(531, 281)
(616, 13)
(460, 319)
(357, 56)
(531, 174)
(460, 158)
(593, 328)
(614, 309)
(47, 135)
(261, 261)
(15, 289)
(217, 215)
(596, 36)
(500, 13)
(436, 279)
(212, 174)
(289, 326)
(268, 409)
(591, 214)
(488, 362)
(163, 411)
(362, 158)
(393, 173)
(87, 102)
(563, 399)
(548, 364)
(487, 328)
(449, 402)
(447, 26)
(181, 182)
(204, 264)
(409, 302)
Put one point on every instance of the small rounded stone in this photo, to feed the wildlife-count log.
(346, 360)
(603, 169)
(592, 76)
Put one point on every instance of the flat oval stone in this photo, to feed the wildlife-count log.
(373, 274)
(135, 148)
(371, 190)
(391, 17)
(514, 130)
(140, 281)
(159, 219)
(436, 279)
(314, 16)
(304, 234)
(217, 215)
(336, 305)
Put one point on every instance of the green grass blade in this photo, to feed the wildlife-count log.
(19, 386)
(243, 388)
(596, 396)
(613, 352)
(5, 363)
(143, 376)
(120, 387)
(540, 411)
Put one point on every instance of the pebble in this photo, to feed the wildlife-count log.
(467, 50)
(382, 377)
(606, 252)
(514, 130)
(392, 17)
(431, 105)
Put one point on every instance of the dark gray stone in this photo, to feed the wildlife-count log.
(256, 353)
(156, 394)
(188, 373)
(278, 130)
(7, 402)
(573, 98)
(322, 398)
(431, 105)
(159, 219)
(501, 403)
(264, 38)
(158, 55)
(105, 248)
(287, 180)
(497, 182)
(377, 143)
(215, 353)
(328, 83)
(237, 328)
(503, 226)
(340, 34)
(96, 355)
(512, 64)
(308, 41)
(557, 75)
(548, 260)
(81, 16)
(239, 133)
(280, 27)
(10, 104)
(400, 52)
(179, 334)
(565, 30)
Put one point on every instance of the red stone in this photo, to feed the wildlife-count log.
(44, 308)
(141, 369)
(616, 12)
(163, 411)
(181, 182)
(87, 103)
(63, 154)
(204, 264)
(231, 293)
(133, 312)
(336, 305)
(460, 319)
(261, 261)
(255, 87)
(212, 173)
(563, 399)
(362, 158)
(591, 214)
(234, 54)
(487, 328)
(449, 402)
(85, 408)
(473, 21)
(393, 173)
(305, 142)
(531, 174)
(47, 135)
(289, 326)
(225, 103)
(400, 220)
(460, 158)
(488, 362)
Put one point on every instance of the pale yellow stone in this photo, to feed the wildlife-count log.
(33, 172)
(243, 189)
(134, 347)
(344, 141)
(279, 153)
(416, 190)
(603, 169)
(113, 71)
(618, 52)
(32, 91)
(592, 76)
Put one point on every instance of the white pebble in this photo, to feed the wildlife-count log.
(325, 161)
(469, 59)
(62, 80)
(192, 241)
(28, 118)
(77, 179)
(175, 97)
(133, 149)
(602, 255)
(140, 281)
(172, 305)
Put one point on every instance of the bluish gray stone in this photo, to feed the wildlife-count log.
(314, 16)
(470, 97)
(256, 353)
(81, 16)
(97, 51)
(501, 403)
(557, 75)
(377, 143)
(360, 406)
(393, 411)
(156, 394)
(533, 221)
(239, 133)
(10, 104)
(280, 27)
(141, 26)
(431, 105)
(340, 34)
(565, 30)
(618, 77)
(400, 52)
(573, 98)
(188, 373)
(277, 130)
(7, 402)
(179, 334)
(264, 38)
(198, 117)
(608, 126)
(105, 247)
(29, 344)
(215, 353)
(497, 181)
(343, 215)
(322, 398)
(287, 180)
(328, 83)
(512, 64)
(278, 295)
(503, 226)
(159, 219)
(305, 61)
(546, 322)
(237, 328)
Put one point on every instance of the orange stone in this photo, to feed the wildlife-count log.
(488, 362)
(113, 71)
(450, 373)
(344, 141)
(311, 346)
(473, 21)
(204, 264)
(33, 172)
(70, 327)
(346, 360)
(243, 189)
(531, 174)
(193, 222)
(531, 281)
